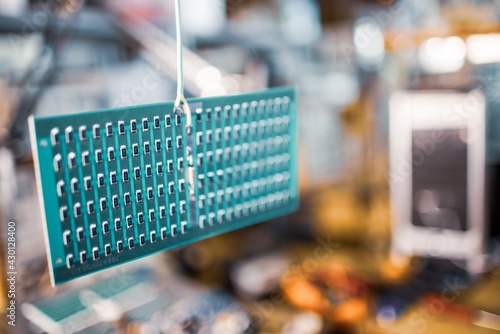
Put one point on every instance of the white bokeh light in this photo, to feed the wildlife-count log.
(442, 55)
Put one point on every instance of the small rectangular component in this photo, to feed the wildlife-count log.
(147, 184)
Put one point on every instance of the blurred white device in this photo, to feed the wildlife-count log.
(437, 175)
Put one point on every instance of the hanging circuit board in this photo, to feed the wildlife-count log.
(116, 185)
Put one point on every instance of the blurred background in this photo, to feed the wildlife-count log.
(398, 230)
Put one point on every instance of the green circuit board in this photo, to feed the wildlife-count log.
(116, 185)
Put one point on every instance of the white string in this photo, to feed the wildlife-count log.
(181, 106)
(180, 99)
(180, 69)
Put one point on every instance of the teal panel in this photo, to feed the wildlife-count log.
(115, 184)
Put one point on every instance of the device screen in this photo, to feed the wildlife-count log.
(494, 203)
(439, 194)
